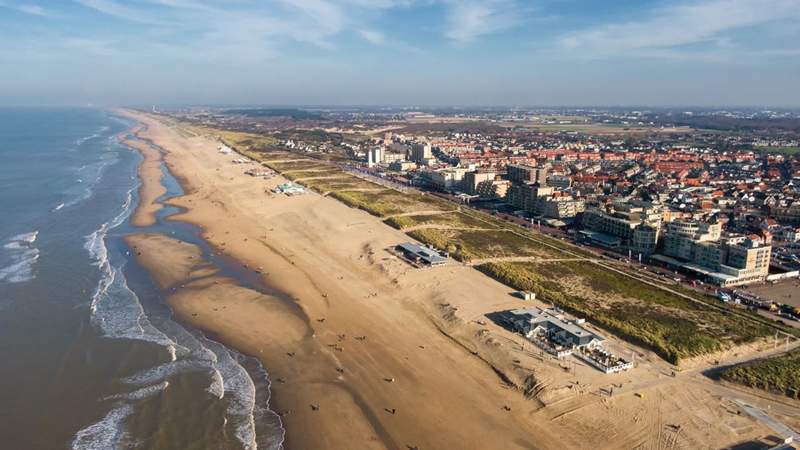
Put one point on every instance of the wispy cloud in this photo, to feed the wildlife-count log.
(27, 8)
(685, 24)
(373, 37)
(246, 27)
(35, 10)
(124, 12)
(468, 20)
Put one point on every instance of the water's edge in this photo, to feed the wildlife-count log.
(127, 305)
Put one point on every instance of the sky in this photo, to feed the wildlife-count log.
(400, 52)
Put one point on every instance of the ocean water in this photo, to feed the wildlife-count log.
(91, 358)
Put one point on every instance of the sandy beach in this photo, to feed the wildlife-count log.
(151, 188)
(365, 351)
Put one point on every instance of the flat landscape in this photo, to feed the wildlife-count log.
(427, 332)
(399, 224)
(656, 317)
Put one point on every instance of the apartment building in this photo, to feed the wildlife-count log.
(493, 188)
(645, 238)
(618, 224)
(526, 196)
(559, 181)
(449, 179)
(730, 260)
(521, 174)
(473, 179)
(421, 153)
(786, 214)
(680, 237)
(559, 207)
(636, 225)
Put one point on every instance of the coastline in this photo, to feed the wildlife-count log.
(424, 371)
(303, 345)
(151, 187)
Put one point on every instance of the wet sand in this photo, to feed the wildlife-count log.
(368, 352)
(151, 188)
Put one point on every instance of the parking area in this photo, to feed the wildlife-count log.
(786, 292)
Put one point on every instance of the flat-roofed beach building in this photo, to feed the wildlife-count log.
(419, 254)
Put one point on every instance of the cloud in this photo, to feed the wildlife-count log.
(35, 10)
(250, 23)
(123, 12)
(469, 19)
(373, 37)
(684, 24)
(27, 8)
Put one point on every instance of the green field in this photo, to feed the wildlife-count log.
(390, 202)
(782, 150)
(316, 172)
(468, 245)
(295, 165)
(245, 143)
(452, 219)
(674, 327)
(342, 182)
(779, 374)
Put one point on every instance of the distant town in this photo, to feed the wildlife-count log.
(709, 197)
(638, 252)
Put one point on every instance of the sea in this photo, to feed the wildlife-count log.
(91, 358)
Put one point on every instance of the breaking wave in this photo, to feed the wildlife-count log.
(107, 433)
(240, 392)
(141, 393)
(94, 135)
(115, 308)
(117, 313)
(21, 255)
(93, 173)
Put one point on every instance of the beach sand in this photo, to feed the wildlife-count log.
(177, 261)
(151, 188)
(365, 351)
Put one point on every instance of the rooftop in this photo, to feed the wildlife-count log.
(426, 254)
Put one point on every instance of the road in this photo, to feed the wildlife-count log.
(782, 430)
(609, 255)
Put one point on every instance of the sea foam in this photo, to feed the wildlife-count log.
(89, 176)
(21, 255)
(94, 135)
(105, 434)
(141, 393)
(115, 308)
(239, 391)
(117, 312)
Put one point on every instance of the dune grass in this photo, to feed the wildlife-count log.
(674, 327)
(779, 374)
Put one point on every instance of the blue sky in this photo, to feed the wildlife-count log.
(411, 52)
